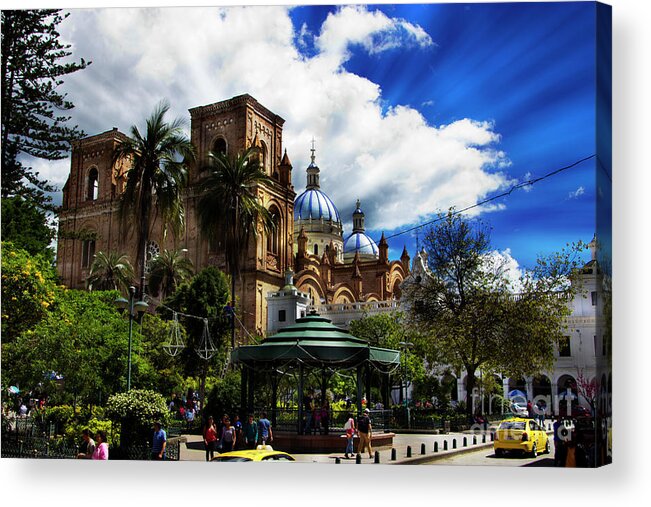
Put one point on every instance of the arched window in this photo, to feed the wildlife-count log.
(263, 157)
(316, 249)
(273, 239)
(93, 185)
(87, 253)
(219, 146)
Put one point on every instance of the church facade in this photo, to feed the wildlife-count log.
(308, 239)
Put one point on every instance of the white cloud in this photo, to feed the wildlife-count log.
(401, 167)
(577, 193)
(510, 268)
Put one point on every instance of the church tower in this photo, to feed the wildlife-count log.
(232, 126)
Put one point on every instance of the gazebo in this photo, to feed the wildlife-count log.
(313, 344)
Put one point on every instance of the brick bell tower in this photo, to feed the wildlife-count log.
(231, 126)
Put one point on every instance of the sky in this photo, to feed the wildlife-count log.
(414, 108)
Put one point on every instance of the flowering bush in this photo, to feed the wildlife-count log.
(139, 407)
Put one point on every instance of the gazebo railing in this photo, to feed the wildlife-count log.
(287, 420)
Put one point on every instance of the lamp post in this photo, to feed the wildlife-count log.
(406, 346)
(136, 309)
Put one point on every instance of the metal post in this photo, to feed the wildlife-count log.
(300, 399)
(132, 294)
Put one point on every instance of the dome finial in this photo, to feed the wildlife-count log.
(313, 157)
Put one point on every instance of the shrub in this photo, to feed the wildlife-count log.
(136, 411)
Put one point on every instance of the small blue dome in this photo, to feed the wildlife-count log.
(316, 205)
(360, 242)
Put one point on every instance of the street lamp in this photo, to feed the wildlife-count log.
(406, 346)
(136, 309)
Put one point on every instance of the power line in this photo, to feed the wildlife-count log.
(523, 184)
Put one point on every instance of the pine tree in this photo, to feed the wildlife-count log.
(32, 123)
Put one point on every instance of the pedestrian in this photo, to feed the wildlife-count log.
(560, 434)
(309, 408)
(264, 430)
(325, 416)
(250, 432)
(228, 438)
(159, 442)
(189, 417)
(237, 424)
(529, 409)
(365, 432)
(210, 438)
(349, 426)
(101, 446)
(87, 447)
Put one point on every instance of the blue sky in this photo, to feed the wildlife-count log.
(529, 69)
(414, 108)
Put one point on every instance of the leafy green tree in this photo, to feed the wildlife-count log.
(229, 209)
(110, 271)
(77, 353)
(389, 330)
(25, 225)
(28, 290)
(205, 297)
(471, 314)
(32, 66)
(167, 271)
(136, 410)
(158, 173)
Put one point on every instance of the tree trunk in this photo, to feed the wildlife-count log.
(470, 386)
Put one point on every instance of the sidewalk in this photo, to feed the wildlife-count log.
(193, 449)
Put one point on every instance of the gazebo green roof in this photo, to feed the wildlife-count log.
(315, 341)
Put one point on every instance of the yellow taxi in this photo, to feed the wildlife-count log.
(520, 434)
(261, 453)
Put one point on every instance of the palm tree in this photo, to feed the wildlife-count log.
(167, 271)
(229, 209)
(110, 271)
(158, 173)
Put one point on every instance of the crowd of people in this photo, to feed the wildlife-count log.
(233, 435)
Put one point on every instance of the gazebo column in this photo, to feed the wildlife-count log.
(274, 395)
(324, 384)
(367, 387)
(299, 424)
(243, 391)
(251, 390)
(359, 389)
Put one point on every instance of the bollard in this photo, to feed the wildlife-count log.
(436, 447)
(358, 459)
(422, 449)
(454, 443)
(483, 438)
(492, 437)
(474, 440)
(445, 445)
(337, 461)
(377, 457)
(465, 441)
(409, 451)
(393, 455)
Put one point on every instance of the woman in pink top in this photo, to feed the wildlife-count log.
(101, 449)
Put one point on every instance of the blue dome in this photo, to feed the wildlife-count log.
(360, 242)
(316, 205)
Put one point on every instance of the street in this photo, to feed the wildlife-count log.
(487, 457)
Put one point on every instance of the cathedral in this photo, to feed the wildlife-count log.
(329, 266)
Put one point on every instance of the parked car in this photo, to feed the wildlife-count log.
(262, 453)
(519, 410)
(522, 435)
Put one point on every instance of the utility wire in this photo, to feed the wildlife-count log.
(493, 198)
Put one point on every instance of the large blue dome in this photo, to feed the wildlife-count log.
(360, 242)
(316, 205)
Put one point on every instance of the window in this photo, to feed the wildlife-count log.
(93, 185)
(316, 249)
(593, 296)
(273, 239)
(564, 347)
(87, 252)
(282, 315)
(219, 146)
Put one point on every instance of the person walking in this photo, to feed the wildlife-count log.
(159, 443)
(560, 432)
(264, 430)
(87, 447)
(189, 417)
(228, 438)
(210, 438)
(250, 433)
(365, 432)
(350, 435)
(101, 449)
